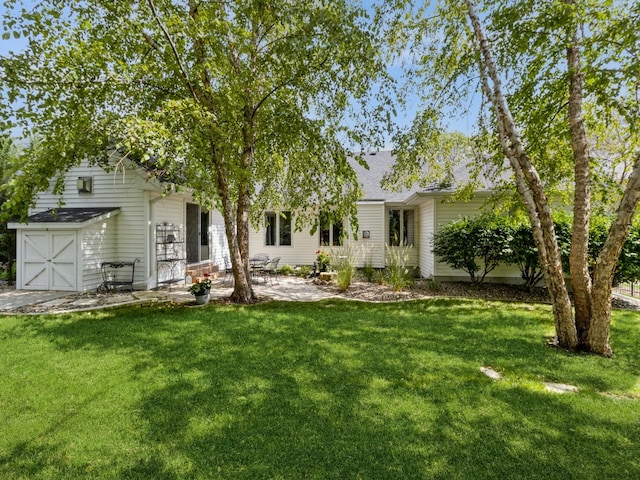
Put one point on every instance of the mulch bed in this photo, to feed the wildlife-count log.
(362, 290)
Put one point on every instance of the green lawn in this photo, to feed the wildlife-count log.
(337, 389)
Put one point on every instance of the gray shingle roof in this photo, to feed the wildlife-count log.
(382, 162)
(379, 164)
(69, 215)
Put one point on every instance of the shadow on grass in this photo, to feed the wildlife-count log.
(347, 390)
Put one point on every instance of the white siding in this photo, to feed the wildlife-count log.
(218, 239)
(131, 233)
(98, 245)
(371, 218)
(426, 257)
(124, 188)
(169, 209)
(304, 245)
(302, 250)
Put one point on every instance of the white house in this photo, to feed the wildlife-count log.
(410, 216)
(115, 218)
(118, 217)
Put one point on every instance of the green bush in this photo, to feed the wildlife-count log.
(524, 254)
(303, 271)
(474, 245)
(478, 245)
(285, 270)
(628, 268)
(629, 264)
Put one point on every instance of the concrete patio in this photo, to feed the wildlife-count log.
(30, 301)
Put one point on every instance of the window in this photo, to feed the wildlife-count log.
(277, 228)
(270, 228)
(331, 233)
(204, 228)
(401, 227)
(285, 228)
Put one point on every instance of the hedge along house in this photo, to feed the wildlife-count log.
(408, 217)
(113, 217)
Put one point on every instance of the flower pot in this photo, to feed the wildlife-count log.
(202, 299)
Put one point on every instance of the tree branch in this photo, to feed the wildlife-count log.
(167, 36)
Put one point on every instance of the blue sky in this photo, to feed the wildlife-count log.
(463, 124)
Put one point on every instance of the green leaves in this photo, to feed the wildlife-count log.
(197, 89)
(474, 245)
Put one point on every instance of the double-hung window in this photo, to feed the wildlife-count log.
(401, 227)
(277, 228)
(331, 232)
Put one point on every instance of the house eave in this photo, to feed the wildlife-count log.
(63, 225)
(419, 197)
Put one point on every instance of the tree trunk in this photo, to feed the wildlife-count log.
(579, 256)
(237, 239)
(597, 337)
(530, 187)
(246, 293)
(597, 340)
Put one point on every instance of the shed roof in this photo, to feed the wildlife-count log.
(69, 214)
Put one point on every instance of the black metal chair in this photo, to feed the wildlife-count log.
(270, 270)
(257, 263)
(228, 271)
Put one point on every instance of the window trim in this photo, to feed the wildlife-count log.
(331, 230)
(275, 235)
(403, 231)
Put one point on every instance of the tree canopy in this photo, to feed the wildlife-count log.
(249, 103)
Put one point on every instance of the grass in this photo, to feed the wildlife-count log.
(336, 389)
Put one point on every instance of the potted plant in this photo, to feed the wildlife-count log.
(323, 260)
(200, 289)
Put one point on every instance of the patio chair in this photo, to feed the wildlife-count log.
(257, 263)
(228, 271)
(270, 270)
(259, 260)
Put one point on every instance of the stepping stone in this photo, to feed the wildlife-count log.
(491, 373)
(54, 303)
(560, 387)
(86, 302)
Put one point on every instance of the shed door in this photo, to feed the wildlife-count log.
(49, 260)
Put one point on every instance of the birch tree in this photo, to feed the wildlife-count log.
(245, 102)
(539, 68)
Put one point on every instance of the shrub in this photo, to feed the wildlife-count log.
(368, 271)
(303, 271)
(344, 262)
(396, 274)
(463, 243)
(628, 268)
(524, 254)
(285, 270)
